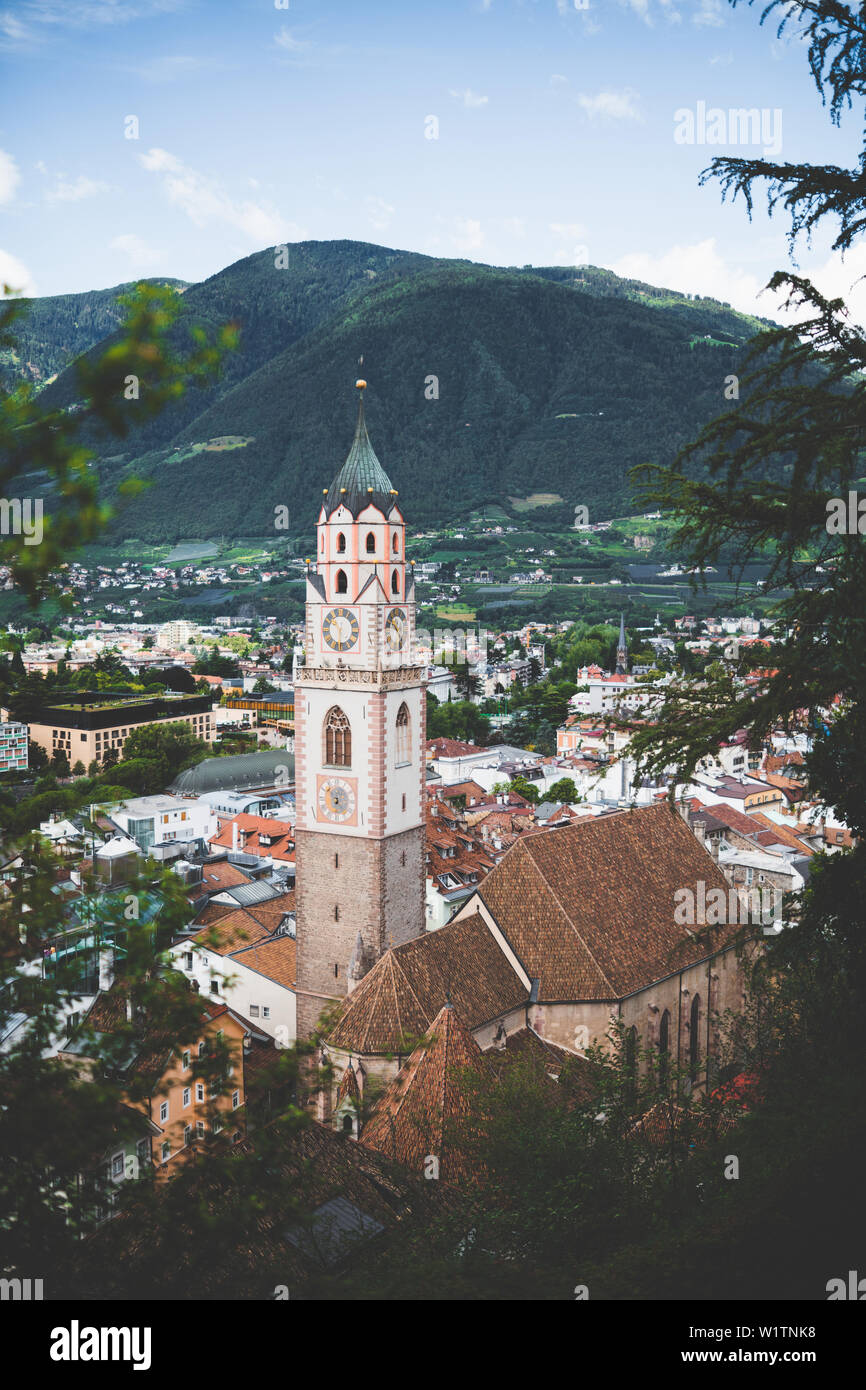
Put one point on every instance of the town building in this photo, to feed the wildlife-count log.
(156, 820)
(177, 633)
(87, 724)
(181, 1108)
(272, 840)
(13, 747)
(247, 960)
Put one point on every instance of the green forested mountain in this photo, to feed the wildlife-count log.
(554, 380)
(52, 331)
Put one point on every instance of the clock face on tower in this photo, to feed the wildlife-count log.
(337, 800)
(396, 628)
(340, 629)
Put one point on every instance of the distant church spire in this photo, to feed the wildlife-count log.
(622, 649)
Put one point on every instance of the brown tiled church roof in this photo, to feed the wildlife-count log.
(416, 1115)
(396, 1002)
(589, 910)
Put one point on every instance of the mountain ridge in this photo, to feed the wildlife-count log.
(494, 381)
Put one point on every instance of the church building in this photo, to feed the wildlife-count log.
(359, 739)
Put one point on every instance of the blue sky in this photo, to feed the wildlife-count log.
(260, 123)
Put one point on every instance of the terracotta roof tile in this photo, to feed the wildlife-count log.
(415, 1115)
(780, 834)
(735, 820)
(219, 875)
(397, 1001)
(589, 909)
(212, 912)
(273, 957)
(278, 833)
(230, 933)
(348, 1088)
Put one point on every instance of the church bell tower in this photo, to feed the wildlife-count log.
(360, 710)
(622, 649)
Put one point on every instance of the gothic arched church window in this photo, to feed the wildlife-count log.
(403, 747)
(694, 1037)
(664, 1047)
(341, 543)
(338, 738)
(342, 582)
(630, 1059)
(371, 543)
(395, 583)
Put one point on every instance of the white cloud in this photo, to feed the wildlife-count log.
(611, 106)
(12, 31)
(697, 269)
(65, 191)
(722, 60)
(36, 19)
(205, 200)
(139, 254)
(468, 235)
(9, 177)
(843, 279)
(469, 98)
(286, 39)
(570, 250)
(379, 212)
(15, 274)
(700, 269)
(710, 14)
(668, 10)
(641, 8)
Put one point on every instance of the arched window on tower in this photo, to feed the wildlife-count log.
(342, 582)
(695, 1037)
(371, 543)
(338, 738)
(341, 543)
(664, 1048)
(403, 746)
(395, 543)
(395, 582)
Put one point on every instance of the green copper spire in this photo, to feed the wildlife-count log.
(362, 479)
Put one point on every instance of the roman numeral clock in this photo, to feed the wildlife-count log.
(340, 629)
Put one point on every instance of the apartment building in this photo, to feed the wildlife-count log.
(13, 747)
(86, 727)
(182, 1107)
